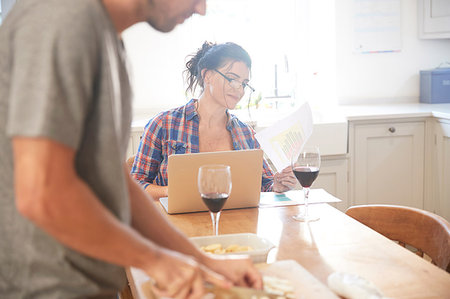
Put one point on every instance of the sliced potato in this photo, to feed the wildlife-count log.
(278, 286)
(232, 248)
(244, 248)
(213, 247)
(217, 248)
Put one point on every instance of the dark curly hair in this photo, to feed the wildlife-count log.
(211, 56)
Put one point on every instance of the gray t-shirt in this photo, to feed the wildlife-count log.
(62, 76)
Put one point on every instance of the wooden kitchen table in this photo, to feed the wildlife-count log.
(336, 242)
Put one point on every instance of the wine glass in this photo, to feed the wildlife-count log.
(214, 185)
(306, 168)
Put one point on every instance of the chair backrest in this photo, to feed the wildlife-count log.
(427, 232)
(130, 162)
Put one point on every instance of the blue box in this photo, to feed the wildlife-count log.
(435, 86)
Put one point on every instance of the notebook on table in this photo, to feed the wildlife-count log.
(246, 171)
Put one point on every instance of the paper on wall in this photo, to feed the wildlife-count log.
(286, 137)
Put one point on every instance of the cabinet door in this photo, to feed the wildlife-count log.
(434, 18)
(333, 178)
(442, 170)
(389, 164)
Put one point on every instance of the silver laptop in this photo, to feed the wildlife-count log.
(246, 171)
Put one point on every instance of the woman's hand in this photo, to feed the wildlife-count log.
(156, 191)
(176, 275)
(284, 181)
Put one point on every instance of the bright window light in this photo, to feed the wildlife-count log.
(291, 43)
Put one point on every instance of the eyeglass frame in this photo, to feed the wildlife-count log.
(243, 84)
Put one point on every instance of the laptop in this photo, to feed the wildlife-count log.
(246, 171)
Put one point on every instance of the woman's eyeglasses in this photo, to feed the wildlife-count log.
(235, 83)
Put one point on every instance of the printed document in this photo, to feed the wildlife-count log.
(286, 137)
(295, 197)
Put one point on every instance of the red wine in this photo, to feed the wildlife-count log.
(215, 201)
(306, 175)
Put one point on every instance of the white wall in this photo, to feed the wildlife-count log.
(158, 59)
(384, 77)
(6, 6)
(292, 35)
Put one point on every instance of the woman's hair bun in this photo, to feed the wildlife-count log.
(192, 64)
(211, 56)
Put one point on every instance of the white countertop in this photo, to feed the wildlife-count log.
(373, 112)
(263, 117)
(330, 123)
(329, 133)
(337, 114)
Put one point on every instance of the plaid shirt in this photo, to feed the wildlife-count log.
(176, 132)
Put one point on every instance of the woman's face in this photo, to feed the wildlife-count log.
(220, 88)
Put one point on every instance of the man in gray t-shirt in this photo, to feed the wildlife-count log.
(71, 217)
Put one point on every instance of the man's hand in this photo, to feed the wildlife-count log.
(284, 181)
(176, 275)
(238, 269)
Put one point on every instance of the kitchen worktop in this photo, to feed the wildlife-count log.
(330, 131)
(336, 114)
(260, 118)
(372, 112)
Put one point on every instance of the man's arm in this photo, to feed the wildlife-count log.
(50, 193)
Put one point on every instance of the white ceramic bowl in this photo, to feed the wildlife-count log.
(261, 246)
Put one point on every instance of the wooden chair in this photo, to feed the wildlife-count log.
(425, 231)
(130, 162)
(126, 293)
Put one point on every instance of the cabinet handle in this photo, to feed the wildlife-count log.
(392, 129)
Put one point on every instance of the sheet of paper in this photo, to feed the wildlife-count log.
(377, 26)
(286, 137)
(295, 197)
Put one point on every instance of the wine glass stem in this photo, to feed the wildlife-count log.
(215, 222)
(306, 193)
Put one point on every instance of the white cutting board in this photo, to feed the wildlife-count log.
(305, 284)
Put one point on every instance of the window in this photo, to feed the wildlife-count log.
(1, 12)
(5, 7)
(291, 43)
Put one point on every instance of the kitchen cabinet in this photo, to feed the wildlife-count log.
(333, 177)
(434, 18)
(387, 162)
(441, 168)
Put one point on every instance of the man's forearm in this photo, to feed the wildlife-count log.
(78, 220)
(49, 192)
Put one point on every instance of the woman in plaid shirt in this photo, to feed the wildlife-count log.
(204, 124)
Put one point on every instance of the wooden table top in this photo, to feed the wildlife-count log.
(334, 243)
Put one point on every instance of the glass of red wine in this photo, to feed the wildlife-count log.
(214, 185)
(306, 168)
